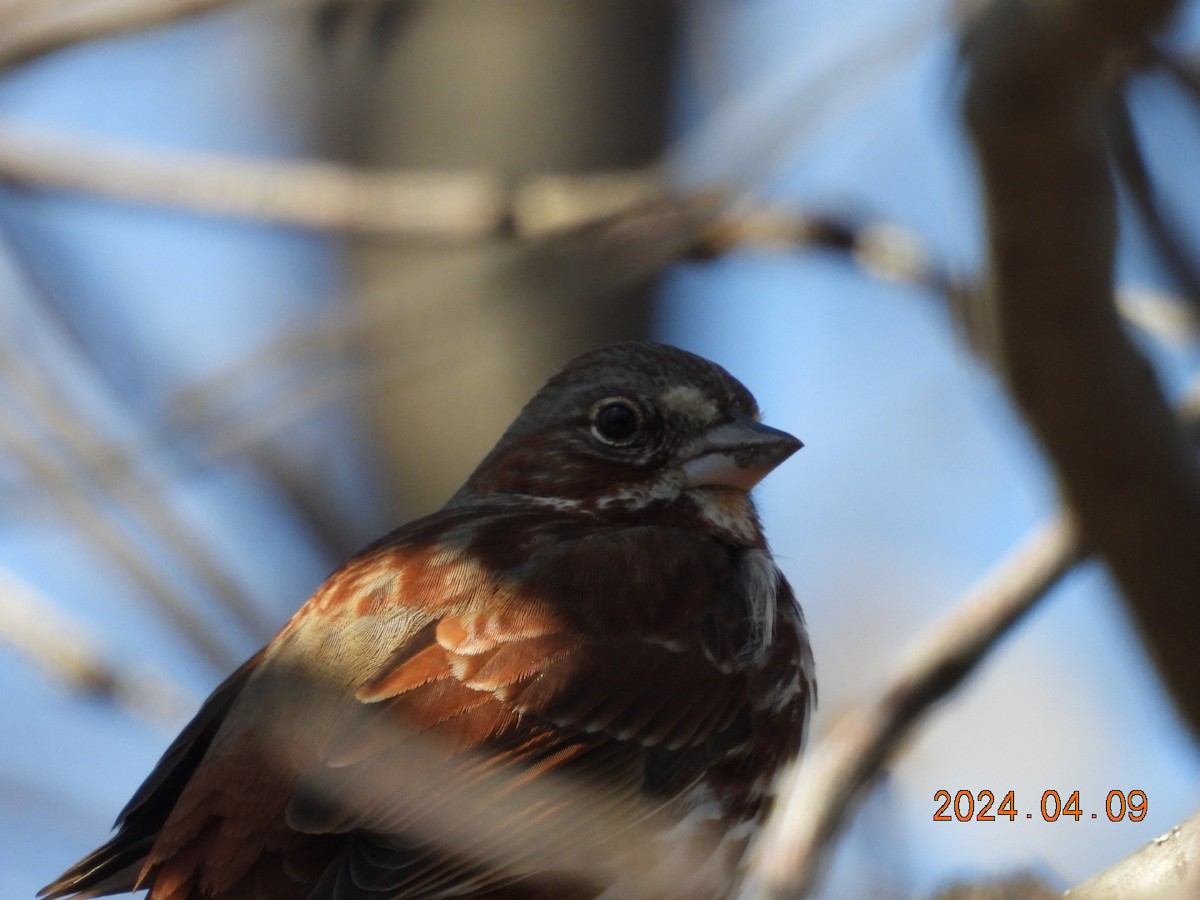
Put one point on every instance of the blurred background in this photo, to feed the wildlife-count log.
(206, 405)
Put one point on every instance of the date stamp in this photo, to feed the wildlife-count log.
(980, 806)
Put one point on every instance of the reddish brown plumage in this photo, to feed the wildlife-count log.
(591, 610)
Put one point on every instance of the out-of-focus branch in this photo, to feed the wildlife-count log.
(60, 647)
(1134, 174)
(1039, 252)
(91, 461)
(1185, 74)
(34, 29)
(571, 824)
(79, 508)
(1034, 106)
(1167, 868)
(817, 796)
(629, 217)
(442, 206)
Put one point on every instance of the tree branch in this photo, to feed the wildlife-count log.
(40, 28)
(1134, 174)
(817, 796)
(1167, 867)
(820, 791)
(1034, 106)
(439, 206)
(81, 460)
(60, 647)
(306, 194)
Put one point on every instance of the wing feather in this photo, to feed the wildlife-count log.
(114, 867)
(454, 679)
(528, 683)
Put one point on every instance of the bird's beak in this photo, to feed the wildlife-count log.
(737, 454)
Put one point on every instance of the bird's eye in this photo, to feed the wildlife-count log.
(616, 422)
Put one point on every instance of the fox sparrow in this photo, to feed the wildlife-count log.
(596, 609)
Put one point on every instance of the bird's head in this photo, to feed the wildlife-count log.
(636, 430)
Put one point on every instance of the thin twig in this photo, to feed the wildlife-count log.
(47, 468)
(1134, 174)
(90, 461)
(62, 648)
(1185, 75)
(832, 78)
(81, 511)
(817, 795)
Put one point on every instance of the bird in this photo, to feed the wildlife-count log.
(596, 612)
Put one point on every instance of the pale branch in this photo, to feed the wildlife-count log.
(1034, 105)
(246, 403)
(80, 509)
(630, 215)
(34, 29)
(115, 473)
(435, 206)
(61, 648)
(817, 796)
(45, 467)
(498, 819)
(1167, 868)
(90, 461)
(633, 211)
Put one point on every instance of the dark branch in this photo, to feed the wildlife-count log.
(1035, 108)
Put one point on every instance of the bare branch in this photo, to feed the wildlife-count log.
(60, 647)
(565, 823)
(105, 467)
(816, 796)
(42, 27)
(1034, 105)
(1134, 174)
(1167, 868)
(1184, 73)
(79, 509)
(454, 206)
